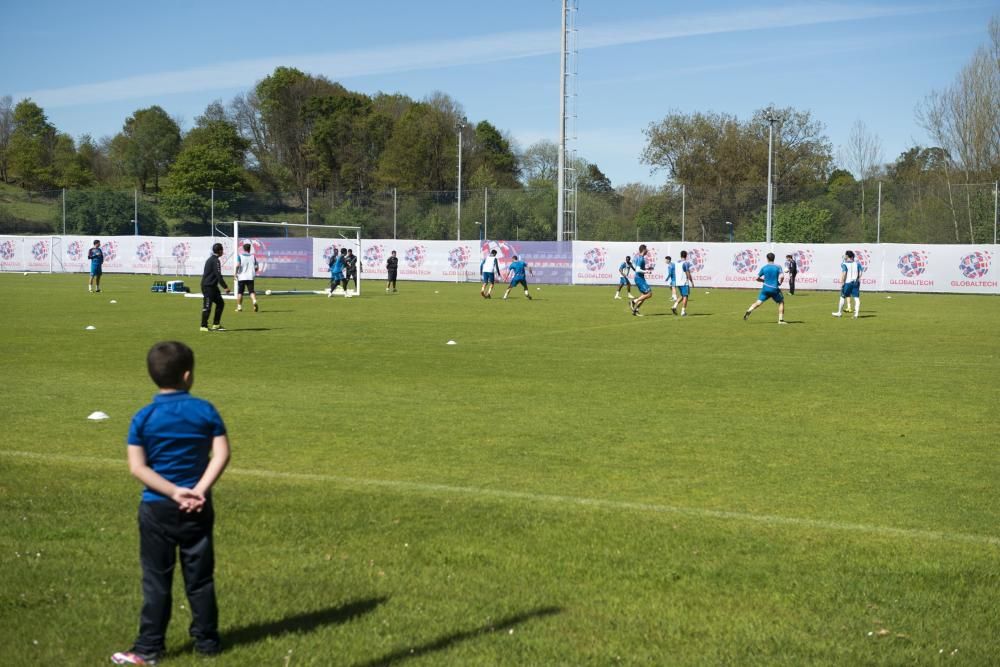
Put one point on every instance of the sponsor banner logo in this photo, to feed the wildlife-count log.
(595, 259)
(912, 264)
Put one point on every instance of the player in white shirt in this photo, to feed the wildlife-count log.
(246, 270)
(850, 280)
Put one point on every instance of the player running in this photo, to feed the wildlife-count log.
(517, 270)
(685, 282)
(625, 268)
(772, 276)
(337, 264)
(850, 279)
(645, 292)
(489, 267)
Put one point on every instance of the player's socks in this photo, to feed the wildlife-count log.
(90, 288)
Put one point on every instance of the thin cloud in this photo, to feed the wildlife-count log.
(450, 53)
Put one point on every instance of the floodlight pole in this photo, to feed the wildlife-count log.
(878, 216)
(561, 173)
(135, 212)
(771, 120)
(458, 233)
(730, 225)
(996, 196)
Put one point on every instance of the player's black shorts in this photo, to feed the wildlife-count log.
(245, 284)
(392, 276)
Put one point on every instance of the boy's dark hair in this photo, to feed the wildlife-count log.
(97, 242)
(668, 258)
(788, 256)
(770, 256)
(642, 247)
(217, 248)
(246, 246)
(515, 256)
(493, 252)
(684, 254)
(393, 252)
(167, 362)
(850, 254)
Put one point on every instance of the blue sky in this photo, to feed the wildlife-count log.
(91, 64)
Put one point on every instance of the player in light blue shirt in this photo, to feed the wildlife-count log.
(682, 274)
(850, 281)
(771, 276)
(517, 271)
(671, 274)
(624, 269)
(337, 263)
(489, 267)
(645, 292)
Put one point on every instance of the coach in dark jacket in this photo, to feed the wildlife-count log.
(211, 280)
(791, 268)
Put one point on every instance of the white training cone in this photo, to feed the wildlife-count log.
(97, 416)
(90, 327)
(451, 342)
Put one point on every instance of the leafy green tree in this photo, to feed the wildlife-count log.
(147, 145)
(801, 222)
(198, 171)
(109, 213)
(32, 142)
(492, 159)
(421, 151)
(71, 169)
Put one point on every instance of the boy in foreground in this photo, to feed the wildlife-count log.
(645, 292)
(178, 448)
(771, 275)
(517, 270)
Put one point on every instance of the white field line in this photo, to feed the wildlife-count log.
(620, 505)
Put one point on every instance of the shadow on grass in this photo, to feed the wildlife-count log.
(443, 643)
(298, 623)
(242, 329)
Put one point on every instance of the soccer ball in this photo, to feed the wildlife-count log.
(268, 292)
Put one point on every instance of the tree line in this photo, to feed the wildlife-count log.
(296, 135)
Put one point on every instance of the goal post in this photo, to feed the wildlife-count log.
(293, 249)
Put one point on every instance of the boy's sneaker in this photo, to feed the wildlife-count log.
(203, 329)
(133, 658)
(98, 289)
(239, 309)
(746, 315)
(218, 327)
(673, 309)
(835, 314)
(618, 296)
(255, 307)
(782, 322)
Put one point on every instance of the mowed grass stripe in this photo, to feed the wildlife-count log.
(542, 498)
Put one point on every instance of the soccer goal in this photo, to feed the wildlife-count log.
(164, 266)
(297, 250)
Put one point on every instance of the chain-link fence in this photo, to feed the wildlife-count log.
(927, 212)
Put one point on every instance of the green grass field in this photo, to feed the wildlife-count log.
(567, 485)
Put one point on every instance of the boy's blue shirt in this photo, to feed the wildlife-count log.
(176, 430)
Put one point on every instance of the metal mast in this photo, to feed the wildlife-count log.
(566, 177)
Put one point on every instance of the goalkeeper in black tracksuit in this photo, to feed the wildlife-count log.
(211, 279)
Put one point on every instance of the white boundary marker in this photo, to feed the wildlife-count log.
(474, 492)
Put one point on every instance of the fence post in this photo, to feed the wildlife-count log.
(64, 212)
(213, 208)
(307, 205)
(996, 192)
(878, 216)
(683, 205)
(394, 214)
(486, 213)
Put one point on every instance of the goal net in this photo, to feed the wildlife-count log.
(297, 250)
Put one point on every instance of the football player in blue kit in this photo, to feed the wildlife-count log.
(771, 276)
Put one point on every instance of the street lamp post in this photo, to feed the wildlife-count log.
(480, 230)
(771, 118)
(730, 225)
